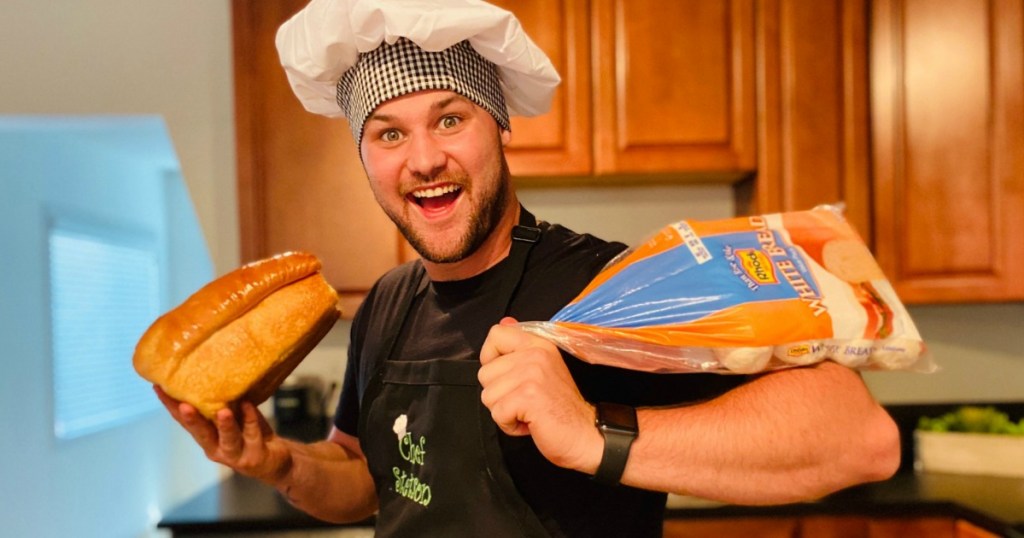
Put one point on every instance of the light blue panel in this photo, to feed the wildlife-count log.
(23, 328)
(189, 269)
(113, 171)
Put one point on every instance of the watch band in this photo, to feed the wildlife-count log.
(618, 425)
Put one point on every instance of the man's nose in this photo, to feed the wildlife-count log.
(426, 157)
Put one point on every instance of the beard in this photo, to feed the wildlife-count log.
(482, 222)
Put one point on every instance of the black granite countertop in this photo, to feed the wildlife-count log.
(992, 503)
(239, 504)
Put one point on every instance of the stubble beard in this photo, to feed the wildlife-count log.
(482, 223)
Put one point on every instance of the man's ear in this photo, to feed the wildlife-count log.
(506, 137)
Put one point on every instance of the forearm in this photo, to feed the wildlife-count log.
(783, 437)
(327, 481)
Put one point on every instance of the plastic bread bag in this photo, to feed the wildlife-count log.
(742, 295)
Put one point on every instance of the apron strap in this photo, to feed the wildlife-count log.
(524, 236)
(390, 337)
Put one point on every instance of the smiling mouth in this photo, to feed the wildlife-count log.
(435, 198)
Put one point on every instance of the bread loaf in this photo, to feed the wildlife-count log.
(239, 336)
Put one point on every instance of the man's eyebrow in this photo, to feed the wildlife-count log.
(437, 105)
(377, 116)
(443, 103)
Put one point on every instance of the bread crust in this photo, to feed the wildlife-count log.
(239, 336)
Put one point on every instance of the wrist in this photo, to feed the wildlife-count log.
(281, 463)
(593, 447)
(618, 426)
(282, 478)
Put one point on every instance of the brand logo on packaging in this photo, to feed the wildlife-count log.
(757, 265)
(798, 350)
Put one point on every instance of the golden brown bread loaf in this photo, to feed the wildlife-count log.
(239, 336)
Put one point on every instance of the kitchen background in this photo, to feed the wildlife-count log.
(162, 72)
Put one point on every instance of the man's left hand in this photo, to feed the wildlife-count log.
(529, 391)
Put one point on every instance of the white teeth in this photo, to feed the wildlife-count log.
(435, 192)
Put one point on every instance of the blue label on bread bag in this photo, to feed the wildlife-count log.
(676, 286)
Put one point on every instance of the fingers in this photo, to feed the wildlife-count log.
(223, 438)
(510, 417)
(528, 390)
(202, 430)
(171, 404)
(242, 440)
(255, 428)
(508, 320)
(505, 354)
(515, 366)
(239, 438)
(502, 389)
(182, 412)
(505, 338)
(228, 434)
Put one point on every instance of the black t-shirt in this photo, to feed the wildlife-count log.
(451, 320)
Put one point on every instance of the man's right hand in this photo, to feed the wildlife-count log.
(250, 447)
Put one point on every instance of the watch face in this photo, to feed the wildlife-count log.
(617, 417)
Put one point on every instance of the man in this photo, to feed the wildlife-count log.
(453, 424)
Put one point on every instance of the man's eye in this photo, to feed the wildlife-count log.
(390, 135)
(448, 122)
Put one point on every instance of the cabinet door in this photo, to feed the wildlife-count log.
(834, 527)
(948, 143)
(745, 527)
(919, 527)
(675, 88)
(559, 142)
(301, 185)
(966, 529)
(812, 96)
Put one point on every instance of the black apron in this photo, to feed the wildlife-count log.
(432, 446)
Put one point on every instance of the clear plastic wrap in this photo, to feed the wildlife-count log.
(742, 295)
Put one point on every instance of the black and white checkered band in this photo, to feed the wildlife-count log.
(391, 71)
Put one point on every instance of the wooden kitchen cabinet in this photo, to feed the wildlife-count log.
(815, 527)
(825, 526)
(739, 527)
(919, 527)
(719, 89)
(834, 527)
(966, 529)
(647, 87)
(674, 86)
(558, 143)
(301, 185)
(813, 135)
(948, 145)
(867, 527)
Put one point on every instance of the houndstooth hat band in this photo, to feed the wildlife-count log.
(393, 70)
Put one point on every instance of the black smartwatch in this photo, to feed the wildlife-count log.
(617, 424)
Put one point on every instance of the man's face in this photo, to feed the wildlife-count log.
(436, 167)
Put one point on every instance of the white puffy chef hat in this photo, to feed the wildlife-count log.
(346, 57)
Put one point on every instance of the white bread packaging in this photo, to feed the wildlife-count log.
(742, 295)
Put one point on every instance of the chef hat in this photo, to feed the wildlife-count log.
(390, 71)
(327, 38)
